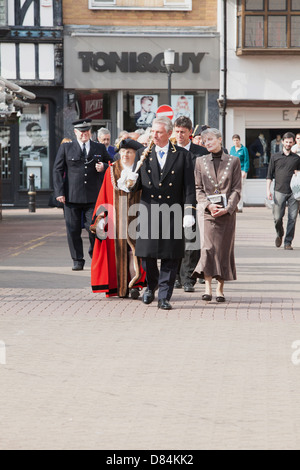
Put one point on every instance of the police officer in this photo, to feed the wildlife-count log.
(167, 205)
(77, 176)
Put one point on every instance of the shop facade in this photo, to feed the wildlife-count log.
(262, 81)
(109, 75)
(31, 53)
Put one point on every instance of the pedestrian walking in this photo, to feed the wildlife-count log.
(116, 270)
(183, 129)
(168, 202)
(281, 168)
(218, 189)
(77, 177)
(238, 150)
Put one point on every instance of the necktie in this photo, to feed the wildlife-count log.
(161, 154)
(84, 153)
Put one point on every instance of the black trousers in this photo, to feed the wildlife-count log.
(188, 266)
(77, 215)
(163, 279)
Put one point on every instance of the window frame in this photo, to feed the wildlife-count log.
(242, 13)
(186, 5)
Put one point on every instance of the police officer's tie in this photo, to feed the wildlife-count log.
(84, 152)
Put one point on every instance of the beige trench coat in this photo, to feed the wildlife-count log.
(217, 234)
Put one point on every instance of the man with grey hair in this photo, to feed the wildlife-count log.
(104, 137)
(168, 202)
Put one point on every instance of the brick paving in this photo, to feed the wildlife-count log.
(84, 372)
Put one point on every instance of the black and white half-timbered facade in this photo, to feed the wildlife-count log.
(31, 56)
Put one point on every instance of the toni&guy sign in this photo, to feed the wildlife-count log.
(132, 62)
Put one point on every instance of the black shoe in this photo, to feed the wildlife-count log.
(207, 298)
(278, 242)
(148, 297)
(78, 265)
(189, 288)
(134, 294)
(177, 284)
(221, 299)
(164, 304)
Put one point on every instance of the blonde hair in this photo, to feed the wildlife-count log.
(66, 141)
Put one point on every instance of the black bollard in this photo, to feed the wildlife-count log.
(31, 193)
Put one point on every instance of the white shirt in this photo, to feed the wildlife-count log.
(87, 146)
(188, 146)
(162, 161)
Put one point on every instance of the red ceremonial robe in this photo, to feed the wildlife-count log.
(110, 263)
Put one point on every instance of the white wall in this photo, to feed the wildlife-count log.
(258, 77)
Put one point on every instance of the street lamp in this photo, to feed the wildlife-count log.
(169, 57)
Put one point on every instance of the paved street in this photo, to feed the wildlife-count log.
(78, 371)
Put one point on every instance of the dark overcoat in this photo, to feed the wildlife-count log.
(75, 177)
(167, 195)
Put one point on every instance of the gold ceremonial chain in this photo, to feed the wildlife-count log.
(217, 185)
(174, 150)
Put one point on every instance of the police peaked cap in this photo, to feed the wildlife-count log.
(130, 144)
(83, 125)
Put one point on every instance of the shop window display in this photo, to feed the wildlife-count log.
(262, 144)
(34, 146)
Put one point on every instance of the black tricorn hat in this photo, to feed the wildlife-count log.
(199, 129)
(83, 125)
(130, 144)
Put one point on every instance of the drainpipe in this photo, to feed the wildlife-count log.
(224, 70)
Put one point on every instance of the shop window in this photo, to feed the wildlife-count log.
(262, 144)
(141, 4)
(34, 146)
(5, 155)
(140, 109)
(271, 26)
(3, 13)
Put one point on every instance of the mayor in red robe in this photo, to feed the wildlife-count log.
(116, 270)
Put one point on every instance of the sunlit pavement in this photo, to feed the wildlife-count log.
(78, 371)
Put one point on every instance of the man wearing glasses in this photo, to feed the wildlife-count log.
(77, 176)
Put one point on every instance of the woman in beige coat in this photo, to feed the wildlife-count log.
(218, 187)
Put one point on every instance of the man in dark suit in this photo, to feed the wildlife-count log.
(183, 133)
(77, 176)
(104, 137)
(168, 203)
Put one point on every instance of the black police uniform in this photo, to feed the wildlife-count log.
(75, 177)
